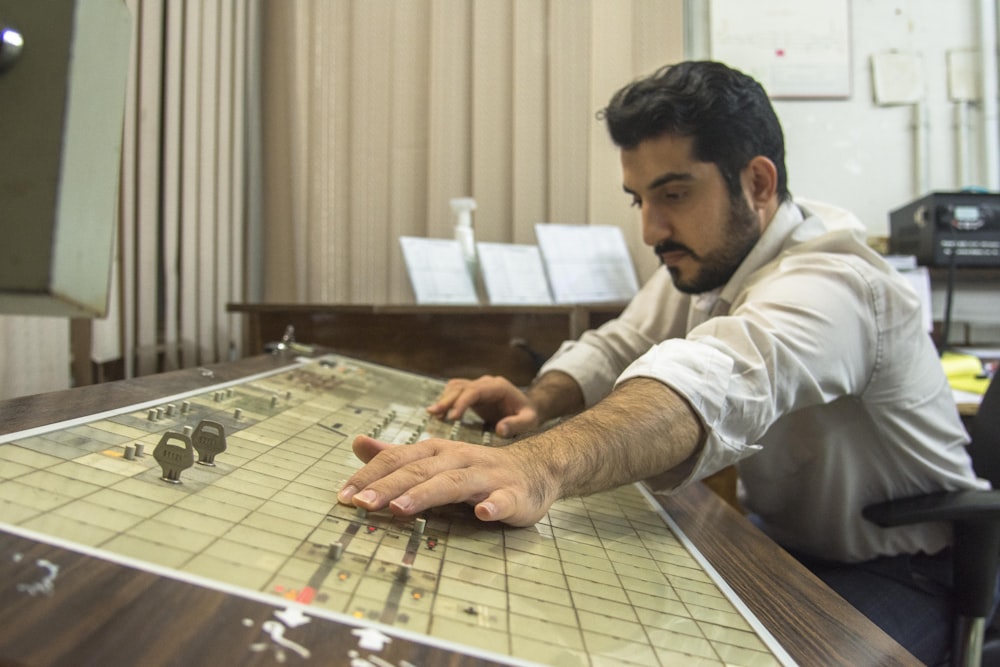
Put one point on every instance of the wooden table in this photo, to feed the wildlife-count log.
(115, 614)
(444, 341)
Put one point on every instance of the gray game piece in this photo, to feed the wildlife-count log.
(209, 438)
(129, 452)
(175, 454)
(139, 447)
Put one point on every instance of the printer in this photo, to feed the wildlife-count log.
(948, 229)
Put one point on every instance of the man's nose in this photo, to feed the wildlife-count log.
(655, 226)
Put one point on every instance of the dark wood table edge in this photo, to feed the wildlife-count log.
(808, 619)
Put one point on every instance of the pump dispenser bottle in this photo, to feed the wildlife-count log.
(462, 209)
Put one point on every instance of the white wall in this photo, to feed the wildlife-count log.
(859, 155)
(856, 154)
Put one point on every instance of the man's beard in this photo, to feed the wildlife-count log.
(717, 266)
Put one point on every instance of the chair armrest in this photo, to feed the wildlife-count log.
(975, 520)
(945, 506)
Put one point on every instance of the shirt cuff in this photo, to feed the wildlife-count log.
(701, 374)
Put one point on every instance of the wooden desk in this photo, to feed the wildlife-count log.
(444, 341)
(105, 613)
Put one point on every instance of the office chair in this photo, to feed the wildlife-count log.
(975, 517)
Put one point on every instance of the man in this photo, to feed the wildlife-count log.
(775, 340)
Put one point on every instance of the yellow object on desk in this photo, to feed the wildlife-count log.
(965, 372)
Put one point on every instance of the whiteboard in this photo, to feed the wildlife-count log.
(794, 48)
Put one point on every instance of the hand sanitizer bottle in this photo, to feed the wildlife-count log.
(462, 208)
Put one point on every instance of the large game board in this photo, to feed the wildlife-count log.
(603, 580)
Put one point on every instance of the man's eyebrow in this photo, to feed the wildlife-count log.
(669, 177)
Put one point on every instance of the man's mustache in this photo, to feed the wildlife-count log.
(670, 246)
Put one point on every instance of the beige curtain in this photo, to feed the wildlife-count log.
(373, 114)
(377, 112)
(187, 185)
(34, 355)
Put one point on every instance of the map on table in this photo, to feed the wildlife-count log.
(237, 484)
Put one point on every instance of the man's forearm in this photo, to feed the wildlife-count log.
(555, 394)
(641, 430)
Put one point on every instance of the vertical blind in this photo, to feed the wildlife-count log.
(377, 112)
(275, 150)
(186, 194)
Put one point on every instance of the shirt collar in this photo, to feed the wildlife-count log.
(705, 301)
(786, 219)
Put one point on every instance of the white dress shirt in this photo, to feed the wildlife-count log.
(811, 371)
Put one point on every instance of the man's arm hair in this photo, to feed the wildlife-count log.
(641, 430)
(555, 394)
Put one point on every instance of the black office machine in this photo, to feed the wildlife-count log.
(948, 228)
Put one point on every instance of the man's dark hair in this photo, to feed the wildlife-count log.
(726, 112)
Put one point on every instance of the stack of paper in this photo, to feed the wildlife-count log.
(571, 264)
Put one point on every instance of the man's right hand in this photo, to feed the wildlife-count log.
(495, 399)
(513, 484)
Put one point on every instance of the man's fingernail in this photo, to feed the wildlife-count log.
(503, 430)
(403, 503)
(347, 493)
(367, 496)
(488, 510)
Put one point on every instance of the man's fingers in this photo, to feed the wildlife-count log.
(409, 479)
(496, 507)
(412, 478)
(454, 485)
(491, 396)
(522, 422)
(463, 402)
(393, 472)
(366, 448)
(513, 509)
(457, 397)
(451, 391)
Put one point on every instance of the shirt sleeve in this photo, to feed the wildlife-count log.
(803, 332)
(599, 356)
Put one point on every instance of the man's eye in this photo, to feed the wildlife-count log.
(636, 202)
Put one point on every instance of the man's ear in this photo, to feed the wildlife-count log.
(760, 181)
